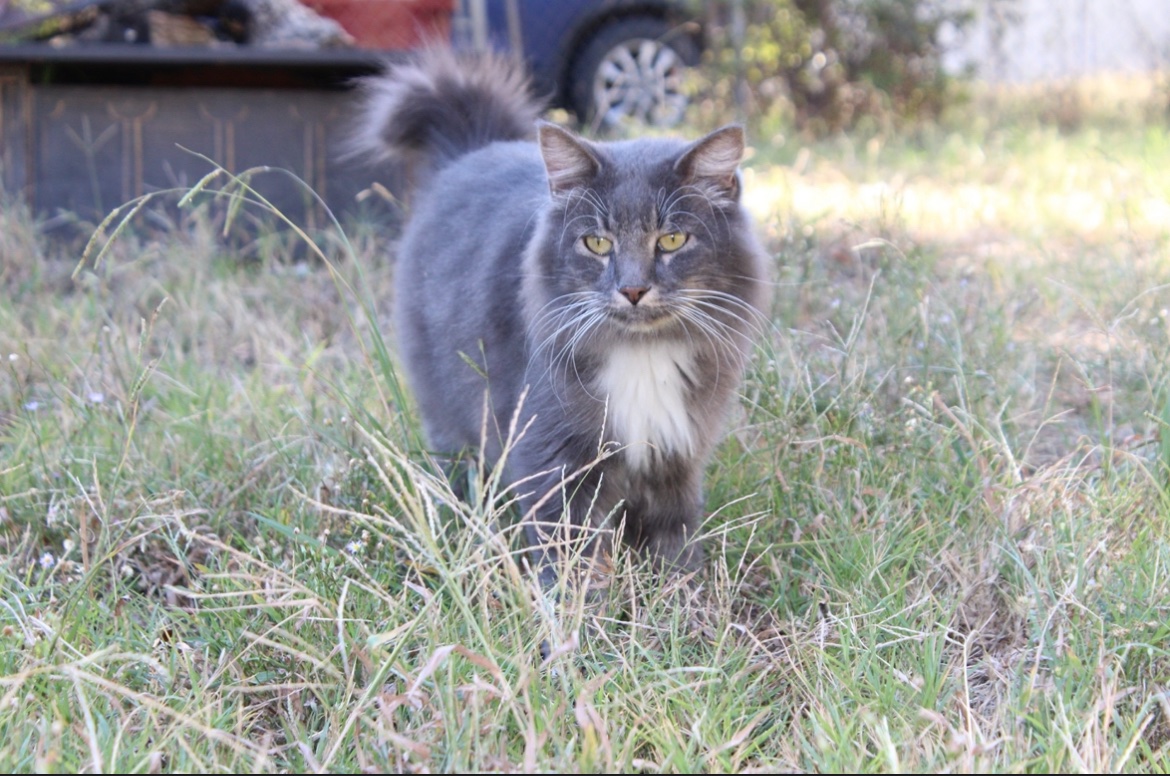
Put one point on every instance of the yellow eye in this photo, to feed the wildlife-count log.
(669, 243)
(598, 245)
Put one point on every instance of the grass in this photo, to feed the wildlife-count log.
(939, 534)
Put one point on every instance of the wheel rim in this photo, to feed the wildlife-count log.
(640, 79)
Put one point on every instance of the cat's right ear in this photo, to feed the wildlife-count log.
(570, 161)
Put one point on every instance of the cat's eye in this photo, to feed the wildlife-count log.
(599, 245)
(672, 241)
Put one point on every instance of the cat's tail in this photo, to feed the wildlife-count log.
(439, 105)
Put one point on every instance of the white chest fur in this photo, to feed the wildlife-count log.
(646, 388)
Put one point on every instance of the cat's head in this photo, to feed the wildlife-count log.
(644, 238)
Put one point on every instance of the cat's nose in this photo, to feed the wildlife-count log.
(633, 293)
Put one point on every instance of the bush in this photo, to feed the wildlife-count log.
(831, 62)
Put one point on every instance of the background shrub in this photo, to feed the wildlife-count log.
(827, 65)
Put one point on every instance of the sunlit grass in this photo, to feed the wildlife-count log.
(1033, 185)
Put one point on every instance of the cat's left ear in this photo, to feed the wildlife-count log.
(713, 160)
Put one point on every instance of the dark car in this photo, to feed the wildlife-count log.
(606, 60)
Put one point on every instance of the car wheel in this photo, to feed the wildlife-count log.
(633, 70)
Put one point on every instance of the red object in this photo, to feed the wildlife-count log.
(389, 24)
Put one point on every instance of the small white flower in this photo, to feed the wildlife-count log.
(95, 397)
(354, 547)
(13, 357)
(47, 560)
(32, 406)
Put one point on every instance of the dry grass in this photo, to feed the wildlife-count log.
(940, 529)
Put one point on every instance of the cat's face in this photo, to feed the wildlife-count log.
(646, 238)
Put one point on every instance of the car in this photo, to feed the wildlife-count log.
(608, 62)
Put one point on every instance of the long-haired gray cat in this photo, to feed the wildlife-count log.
(602, 295)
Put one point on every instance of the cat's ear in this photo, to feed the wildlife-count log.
(569, 160)
(712, 161)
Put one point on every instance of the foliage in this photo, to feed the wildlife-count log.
(835, 63)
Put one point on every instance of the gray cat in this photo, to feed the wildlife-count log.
(599, 298)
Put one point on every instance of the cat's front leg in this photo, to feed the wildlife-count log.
(663, 521)
(675, 548)
(542, 552)
(559, 525)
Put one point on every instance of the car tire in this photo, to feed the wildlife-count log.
(633, 70)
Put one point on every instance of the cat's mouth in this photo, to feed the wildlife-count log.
(644, 319)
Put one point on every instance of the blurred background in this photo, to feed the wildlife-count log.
(98, 96)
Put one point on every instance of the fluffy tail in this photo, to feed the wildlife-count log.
(440, 105)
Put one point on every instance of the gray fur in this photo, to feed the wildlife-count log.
(493, 270)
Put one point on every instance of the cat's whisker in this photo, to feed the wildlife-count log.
(695, 192)
(581, 335)
(719, 344)
(577, 319)
(556, 306)
(566, 353)
(727, 334)
(735, 339)
(723, 330)
(595, 317)
(752, 317)
(558, 327)
(668, 213)
(564, 319)
(588, 197)
(697, 308)
(576, 194)
(696, 313)
(593, 198)
(581, 217)
(729, 302)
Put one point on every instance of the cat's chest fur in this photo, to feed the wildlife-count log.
(647, 389)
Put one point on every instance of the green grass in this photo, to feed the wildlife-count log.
(939, 532)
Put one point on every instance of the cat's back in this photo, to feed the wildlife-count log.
(477, 205)
(457, 286)
(460, 254)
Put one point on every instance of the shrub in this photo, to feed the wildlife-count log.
(831, 62)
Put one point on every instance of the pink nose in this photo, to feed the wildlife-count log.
(633, 293)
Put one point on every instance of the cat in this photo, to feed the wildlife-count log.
(603, 296)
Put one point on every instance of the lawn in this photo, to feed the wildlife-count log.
(939, 532)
